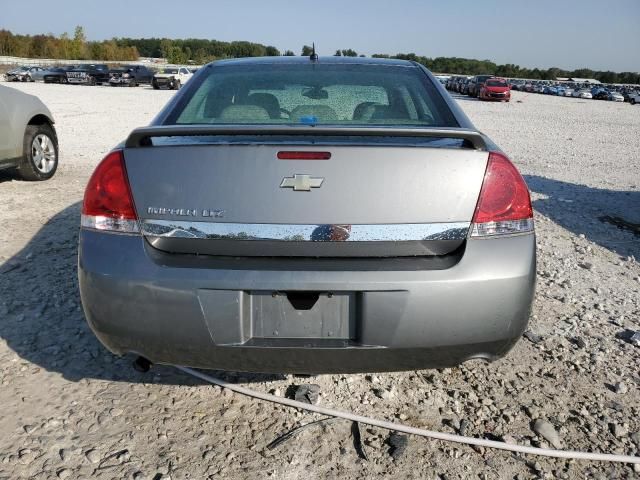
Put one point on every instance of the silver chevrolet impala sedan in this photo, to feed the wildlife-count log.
(308, 215)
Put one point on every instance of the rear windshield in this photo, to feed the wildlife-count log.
(314, 94)
(496, 83)
(170, 70)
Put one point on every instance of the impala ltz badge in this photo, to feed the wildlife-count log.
(185, 212)
(301, 183)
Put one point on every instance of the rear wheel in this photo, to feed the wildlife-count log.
(92, 81)
(155, 85)
(40, 157)
(177, 85)
(633, 101)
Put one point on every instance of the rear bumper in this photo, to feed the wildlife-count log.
(399, 320)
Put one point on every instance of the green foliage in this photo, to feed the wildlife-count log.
(306, 50)
(175, 51)
(64, 47)
(349, 53)
(289, 53)
(79, 44)
(196, 50)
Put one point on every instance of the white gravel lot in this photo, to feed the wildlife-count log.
(70, 409)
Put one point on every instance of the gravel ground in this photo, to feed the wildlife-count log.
(73, 410)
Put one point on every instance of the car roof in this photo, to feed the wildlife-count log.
(306, 60)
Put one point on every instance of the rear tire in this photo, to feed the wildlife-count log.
(177, 85)
(40, 157)
(632, 101)
(155, 85)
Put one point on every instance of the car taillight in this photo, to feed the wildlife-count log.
(504, 206)
(108, 204)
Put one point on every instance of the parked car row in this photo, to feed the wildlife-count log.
(613, 93)
(488, 87)
(99, 74)
(483, 87)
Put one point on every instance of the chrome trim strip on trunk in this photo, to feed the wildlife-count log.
(306, 233)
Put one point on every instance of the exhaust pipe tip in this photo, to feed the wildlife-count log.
(142, 364)
(479, 359)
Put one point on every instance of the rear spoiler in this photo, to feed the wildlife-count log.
(141, 137)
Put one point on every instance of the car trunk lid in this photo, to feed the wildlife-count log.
(365, 200)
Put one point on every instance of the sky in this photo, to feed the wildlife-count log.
(569, 34)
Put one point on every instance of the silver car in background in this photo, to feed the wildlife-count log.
(28, 139)
(25, 74)
(298, 214)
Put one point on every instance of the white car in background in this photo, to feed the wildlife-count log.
(634, 98)
(582, 94)
(28, 140)
(171, 77)
(615, 97)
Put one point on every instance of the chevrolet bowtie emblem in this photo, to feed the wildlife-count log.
(301, 183)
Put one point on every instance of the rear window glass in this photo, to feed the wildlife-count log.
(496, 83)
(314, 94)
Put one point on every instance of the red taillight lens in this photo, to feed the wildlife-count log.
(290, 155)
(504, 205)
(108, 204)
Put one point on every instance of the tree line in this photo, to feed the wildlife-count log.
(64, 47)
(200, 51)
(195, 50)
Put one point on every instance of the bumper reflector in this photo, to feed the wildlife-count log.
(110, 224)
(504, 227)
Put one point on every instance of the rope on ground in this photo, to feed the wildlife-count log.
(397, 427)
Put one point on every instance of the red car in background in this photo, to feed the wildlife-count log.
(495, 89)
